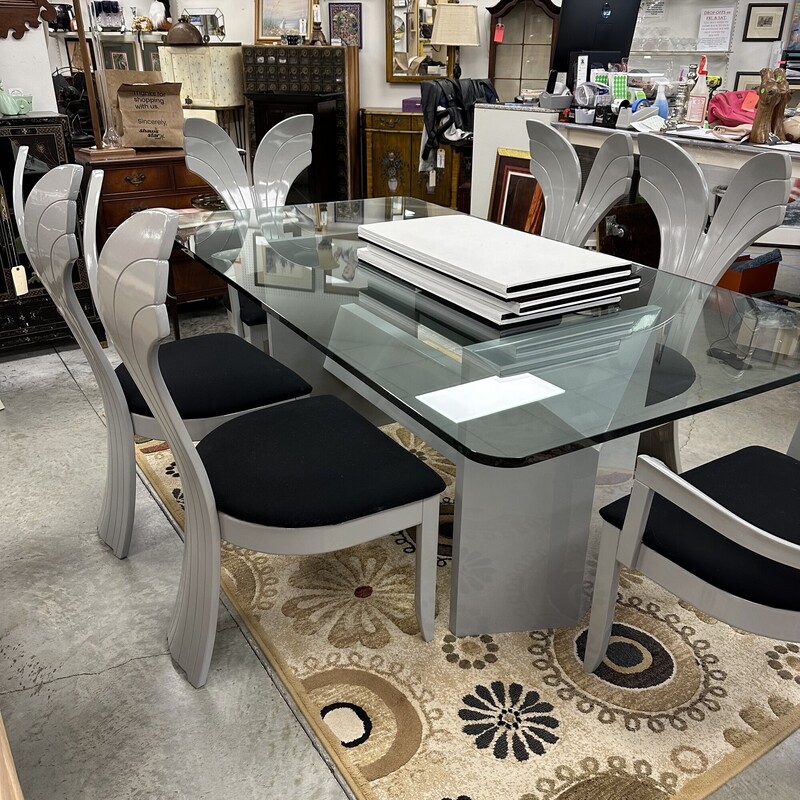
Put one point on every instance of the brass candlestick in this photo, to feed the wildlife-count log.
(317, 36)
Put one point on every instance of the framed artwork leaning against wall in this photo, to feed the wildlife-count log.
(516, 200)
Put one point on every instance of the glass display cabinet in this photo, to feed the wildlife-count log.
(522, 34)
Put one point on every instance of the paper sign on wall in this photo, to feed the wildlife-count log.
(716, 25)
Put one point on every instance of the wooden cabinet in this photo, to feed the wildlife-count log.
(210, 75)
(392, 142)
(311, 70)
(32, 318)
(319, 183)
(155, 179)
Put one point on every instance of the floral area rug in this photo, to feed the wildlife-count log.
(681, 704)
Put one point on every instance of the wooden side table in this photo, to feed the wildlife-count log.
(155, 179)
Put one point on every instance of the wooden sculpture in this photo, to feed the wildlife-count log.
(778, 113)
(768, 97)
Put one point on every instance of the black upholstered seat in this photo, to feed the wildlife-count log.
(216, 374)
(311, 463)
(672, 375)
(757, 484)
(250, 312)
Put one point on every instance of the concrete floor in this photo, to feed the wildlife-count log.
(93, 705)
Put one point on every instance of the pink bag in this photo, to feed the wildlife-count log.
(726, 108)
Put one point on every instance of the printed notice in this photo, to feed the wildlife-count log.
(716, 25)
(653, 8)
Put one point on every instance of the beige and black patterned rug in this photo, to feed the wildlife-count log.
(682, 703)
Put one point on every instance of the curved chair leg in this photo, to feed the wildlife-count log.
(794, 446)
(662, 443)
(234, 315)
(115, 525)
(427, 542)
(193, 628)
(603, 600)
(257, 336)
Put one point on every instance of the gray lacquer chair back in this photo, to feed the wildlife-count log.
(211, 154)
(47, 225)
(676, 190)
(283, 153)
(571, 214)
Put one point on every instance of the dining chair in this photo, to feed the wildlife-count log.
(673, 185)
(701, 246)
(283, 153)
(213, 377)
(570, 215)
(724, 537)
(311, 476)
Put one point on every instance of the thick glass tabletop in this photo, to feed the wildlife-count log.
(672, 348)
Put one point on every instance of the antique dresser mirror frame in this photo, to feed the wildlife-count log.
(409, 25)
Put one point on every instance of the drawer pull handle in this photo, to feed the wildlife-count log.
(136, 210)
(136, 178)
(388, 122)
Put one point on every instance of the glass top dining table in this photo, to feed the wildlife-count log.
(525, 472)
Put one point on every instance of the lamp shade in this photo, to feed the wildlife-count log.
(455, 24)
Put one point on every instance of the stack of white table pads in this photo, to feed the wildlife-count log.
(500, 274)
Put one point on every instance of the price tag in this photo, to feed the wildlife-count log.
(750, 101)
(499, 32)
(432, 180)
(20, 280)
(440, 158)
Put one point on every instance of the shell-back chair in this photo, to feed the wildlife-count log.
(214, 377)
(675, 188)
(283, 153)
(306, 477)
(570, 215)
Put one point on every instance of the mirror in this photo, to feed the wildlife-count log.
(209, 21)
(410, 57)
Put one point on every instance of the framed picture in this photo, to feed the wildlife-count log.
(277, 271)
(746, 80)
(74, 56)
(276, 18)
(764, 22)
(794, 29)
(151, 60)
(344, 278)
(345, 22)
(349, 211)
(119, 55)
(516, 200)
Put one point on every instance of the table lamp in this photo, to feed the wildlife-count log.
(456, 25)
